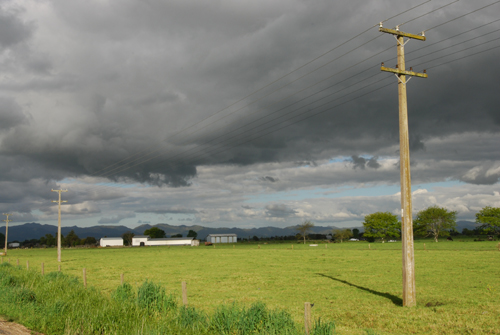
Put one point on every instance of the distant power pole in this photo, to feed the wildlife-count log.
(409, 292)
(6, 229)
(59, 224)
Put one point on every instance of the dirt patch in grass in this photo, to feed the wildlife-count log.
(11, 328)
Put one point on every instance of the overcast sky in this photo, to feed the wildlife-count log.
(243, 113)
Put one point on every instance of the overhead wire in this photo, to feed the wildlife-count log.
(308, 87)
(432, 11)
(96, 173)
(371, 40)
(451, 46)
(454, 60)
(454, 53)
(461, 16)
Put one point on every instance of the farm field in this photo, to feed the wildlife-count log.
(458, 283)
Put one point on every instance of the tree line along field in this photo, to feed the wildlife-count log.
(357, 287)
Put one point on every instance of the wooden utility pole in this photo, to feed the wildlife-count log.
(59, 224)
(409, 292)
(6, 229)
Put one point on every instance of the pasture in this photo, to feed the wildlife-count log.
(458, 283)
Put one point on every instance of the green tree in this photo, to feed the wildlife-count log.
(89, 240)
(154, 232)
(355, 233)
(192, 233)
(342, 234)
(127, 237)
(71, 239)
(489, 218)
(435, 221)
(48, 240)
(304, 229)
(381, 225)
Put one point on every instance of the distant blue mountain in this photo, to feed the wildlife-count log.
(34, 230)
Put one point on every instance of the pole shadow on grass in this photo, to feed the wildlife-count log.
(396, 300)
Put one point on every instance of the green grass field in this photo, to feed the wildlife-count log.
(458, 283)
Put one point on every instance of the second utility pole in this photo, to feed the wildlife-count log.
(409, 292)
(6, 229)
(59, 224)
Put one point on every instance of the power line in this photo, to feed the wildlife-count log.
(199, 122)
(458, 17)
(451, 46)
(454, 60)
(432, 11)
(453, 53)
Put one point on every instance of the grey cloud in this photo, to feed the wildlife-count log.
(279, 211)
(116, 218)
(12, 29)
(372, 163)
(358, 162)
(269, 179)
(482, 175)
(171, 210)
(11, 114)
(246, 207)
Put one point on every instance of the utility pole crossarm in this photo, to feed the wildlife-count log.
(407, 73)
(401, 33)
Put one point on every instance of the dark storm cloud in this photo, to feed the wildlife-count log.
(11, 114)
(136, 75)
(12, 29)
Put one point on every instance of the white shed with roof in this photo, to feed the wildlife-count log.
(222, 238)
(144, 240)
(111, 242)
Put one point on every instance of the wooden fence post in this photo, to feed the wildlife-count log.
(121, 278)
(292, 246)
(259, 246)
(27, 265)
(18, 262)
(59, 268)
(307, 317)
(43, 269)
(184, 294)
(425, 247)
(85, 277)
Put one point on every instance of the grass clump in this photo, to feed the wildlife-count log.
(59, 304)
(152, 297)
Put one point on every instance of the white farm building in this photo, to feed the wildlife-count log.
(222, 238)
(144, 240)
(111, 242)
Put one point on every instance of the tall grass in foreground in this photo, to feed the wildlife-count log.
(59, 304)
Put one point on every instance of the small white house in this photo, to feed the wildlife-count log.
(14, 245)
(222, 238)
(143, 240)
(111, 242)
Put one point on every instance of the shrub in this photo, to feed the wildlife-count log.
(153, 298)
(124, 292)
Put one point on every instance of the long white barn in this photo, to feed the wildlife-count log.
(222, 238)
(144, 240)
(111, 242)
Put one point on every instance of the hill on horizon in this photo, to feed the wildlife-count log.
(35, 230)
